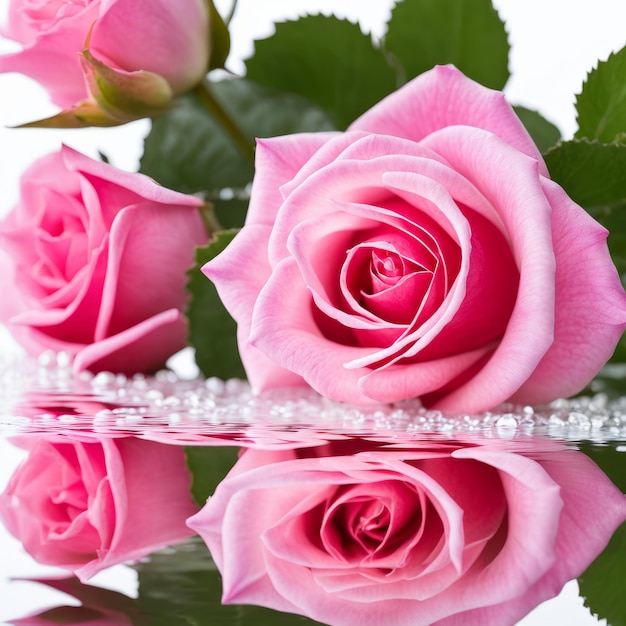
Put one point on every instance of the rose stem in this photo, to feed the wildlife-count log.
(205, 94)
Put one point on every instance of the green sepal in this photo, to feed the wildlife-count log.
(125, 96)
(219, 38)
(83, 115)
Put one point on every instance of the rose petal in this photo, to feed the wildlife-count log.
(140, 521)
(358, 180)
(72, 325)
(387, 383)
(61, 74)
(129, 187)
(141, 348)
(139, 235)
(277, 161)
(246, 256)
(582, 534)
(289, 335)
(329, 146)
(586, 329)
(430, 102)
(490, 294)
(522, 202)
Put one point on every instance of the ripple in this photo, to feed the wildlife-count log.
(45, 396)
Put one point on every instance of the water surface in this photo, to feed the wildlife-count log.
(43, 398)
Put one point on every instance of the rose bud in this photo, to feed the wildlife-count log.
(107, 62)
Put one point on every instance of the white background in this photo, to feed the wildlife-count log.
(554, 44)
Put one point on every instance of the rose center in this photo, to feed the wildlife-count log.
(387, 269)
(373, 525)
(387, 266)
(388, 282)
(47, 12)
(69, 501)
(61, 246)
(359, 526)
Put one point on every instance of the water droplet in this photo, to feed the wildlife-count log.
(63, 360)
(103, 379)
(506, 421)
(579, 420)
(47, 358)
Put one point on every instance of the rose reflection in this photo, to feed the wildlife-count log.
(393, 530)
(409, 533)
(85, 503)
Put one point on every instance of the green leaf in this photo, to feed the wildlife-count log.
(183, 586)
(610, 461)
(70, 615)
(328, 61)
(208, 466)
(212, 331)
(594, 176)
(186, 150)
(601, 105)
(544, 133)
(230, 213)
(602, 585)
(466, 33)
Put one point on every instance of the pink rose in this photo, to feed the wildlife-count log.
(85, 504)
(93, 263)
(167, 39)
(422, 253)
(444, 534)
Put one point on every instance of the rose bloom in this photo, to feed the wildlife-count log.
(422, 253)
(85, 504)
(166, 37)
(93, 262)
(429, 534)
